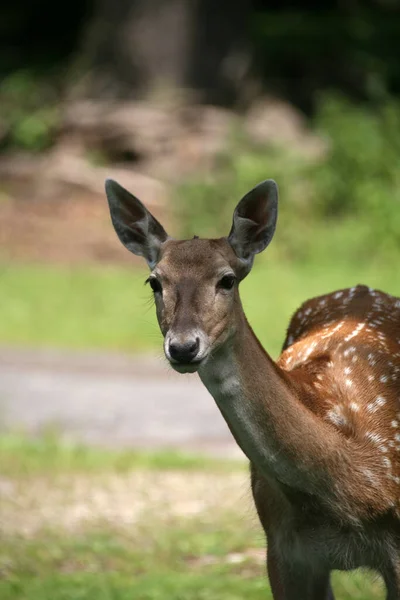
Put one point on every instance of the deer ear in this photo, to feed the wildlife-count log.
(254, 221)
(136, 227)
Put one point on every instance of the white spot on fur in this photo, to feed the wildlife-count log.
(355, 332)
(375, 437)
(330, 332)
(370, 476)
(377, 403)
(336, 416)
(309, 350)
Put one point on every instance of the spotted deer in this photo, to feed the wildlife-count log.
(321, 426)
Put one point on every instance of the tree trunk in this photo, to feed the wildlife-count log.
(135, 47)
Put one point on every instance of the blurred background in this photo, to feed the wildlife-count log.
(118, 478)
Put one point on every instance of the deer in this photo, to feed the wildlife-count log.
(320, 426)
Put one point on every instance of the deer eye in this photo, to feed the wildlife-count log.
(227, 282)
(154, 284)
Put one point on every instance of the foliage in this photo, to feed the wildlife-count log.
(206, 205)
(297, 48)
(360, 177)
(304, 49)
(337, 204)
(29, 114)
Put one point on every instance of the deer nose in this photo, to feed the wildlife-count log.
(184, 352)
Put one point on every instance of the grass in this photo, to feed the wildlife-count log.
(76, 308)
(32, 456)
(110, 308)
(164, 551)
(195, 560)
(110, 567)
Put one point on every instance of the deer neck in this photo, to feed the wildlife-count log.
(263, 409)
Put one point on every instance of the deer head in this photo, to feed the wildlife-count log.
(195, 282)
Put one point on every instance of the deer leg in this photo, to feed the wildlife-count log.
(391, 577)
(291, 582)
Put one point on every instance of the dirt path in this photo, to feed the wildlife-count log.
(70, 502)
(110, 400)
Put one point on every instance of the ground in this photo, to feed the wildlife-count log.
(65, 222)
(110, 400)
(79, 524)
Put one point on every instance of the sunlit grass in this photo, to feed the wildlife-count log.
(213, 554)
(110, 308)
(76, 308)
(179, 562)
(21, 455)
(207, 554)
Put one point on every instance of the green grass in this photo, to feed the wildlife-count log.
(110, 567)
(211, 555)
(110, 308)
(174, 560)
(215, 557)
(31, 456)
(76, 308)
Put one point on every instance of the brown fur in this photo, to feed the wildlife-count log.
(330, 504)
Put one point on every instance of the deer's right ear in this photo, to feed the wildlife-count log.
(254, 222)
(136, 227)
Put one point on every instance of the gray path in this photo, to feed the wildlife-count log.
(110, 400)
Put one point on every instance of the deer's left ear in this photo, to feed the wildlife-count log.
(254, 221)
(136, 227)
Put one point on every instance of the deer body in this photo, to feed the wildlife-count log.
(328, 500)
(321, 426)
